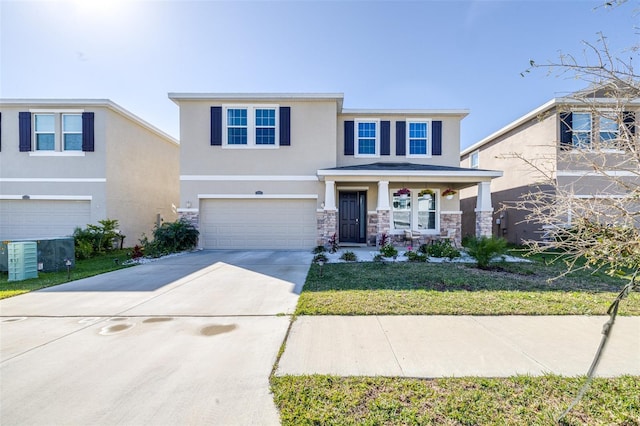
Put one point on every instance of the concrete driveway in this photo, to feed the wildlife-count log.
(189, 339)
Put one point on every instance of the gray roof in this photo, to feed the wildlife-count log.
(397, 167)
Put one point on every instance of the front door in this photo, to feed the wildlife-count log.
(353, 217)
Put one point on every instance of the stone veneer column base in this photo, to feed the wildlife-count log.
(191, 216)
(372, 228)
(327, 225)
(452, 221)
(384, 223)
(484, 223)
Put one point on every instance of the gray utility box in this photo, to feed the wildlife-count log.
(52, 253)
(23, 260)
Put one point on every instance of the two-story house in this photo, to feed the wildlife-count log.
(572, 141)
(289, 171)
(68, 163)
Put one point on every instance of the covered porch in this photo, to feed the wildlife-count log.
(409, 203)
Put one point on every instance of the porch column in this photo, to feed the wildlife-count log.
(330, 195)
(328, 217)
(484, 210)
(383, 210)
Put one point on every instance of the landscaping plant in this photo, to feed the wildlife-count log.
(484, 249)
(349, 256)
(171, 237)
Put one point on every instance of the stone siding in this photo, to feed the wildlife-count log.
(451, 221)
(484, 223)
(327, 226)
(372, 229)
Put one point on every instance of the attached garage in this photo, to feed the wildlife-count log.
(21, 219)
(265, 223)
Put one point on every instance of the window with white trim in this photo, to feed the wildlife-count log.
(418, 138)
(474, 160)
(588, 129)
(57, 131)
(417, 210)
(251, 126)
(367, 138)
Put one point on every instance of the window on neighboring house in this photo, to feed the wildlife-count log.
(581, 128)
(608, 129)
(236, 126)
(72, 132)
(414, 212)
(474, 160)
(251, 126)
(45, 132)
(367, 138)
(585, 129)
(418, 139)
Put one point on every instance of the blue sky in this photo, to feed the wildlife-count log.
(421, 54)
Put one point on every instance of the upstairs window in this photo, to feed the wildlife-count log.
(45, 132)
(367, 139)
(57, 132)
(584, 130)
(581, 127)
(474, 160)
(608, 130)
(418, 139)
(251, 127)
(72, 132)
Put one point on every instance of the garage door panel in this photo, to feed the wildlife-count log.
(258, 224)
(21, 219)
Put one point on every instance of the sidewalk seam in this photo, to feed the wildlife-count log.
(391, 347)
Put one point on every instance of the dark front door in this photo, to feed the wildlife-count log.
(353, 213)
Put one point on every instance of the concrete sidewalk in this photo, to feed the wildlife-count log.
(455, 346)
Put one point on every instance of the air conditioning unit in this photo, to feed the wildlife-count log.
(23, 260)
(52, 253)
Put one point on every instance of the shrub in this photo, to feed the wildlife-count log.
(483, 249)
(384, 239)
(320, 257)
(388, 250)
(442, 248)
(333, 243)
(415, 257)
(137, 252)
(171, 237)
(95, 239)
(319, 249)
(349, 256)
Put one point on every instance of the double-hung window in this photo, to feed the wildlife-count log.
(581, 129)
(474, 160)
(587, 130)
(57, 131)
(367, 138)
(418, 140)
(608, 129)
(251, 126)
(415, 211)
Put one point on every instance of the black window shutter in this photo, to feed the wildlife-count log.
(385, 138)
(401, 138)
(629, 120)
(24, 121)
(348, 138)
(566, 121)
(285, 126)
(436, 136)
(216, 125)
(88, 139)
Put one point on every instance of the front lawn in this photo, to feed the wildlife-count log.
(521, 400)
(84, 268)
(458, 289)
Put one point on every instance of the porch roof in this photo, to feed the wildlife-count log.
(408, 172)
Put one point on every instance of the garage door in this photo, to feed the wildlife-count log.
(21, 219)
(258, 224)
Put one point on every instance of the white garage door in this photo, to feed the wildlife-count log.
(20, 219)
(258, 224)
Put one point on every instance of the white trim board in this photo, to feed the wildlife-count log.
(47, 197)
(236, 178)
(258, 196)
(67, 180)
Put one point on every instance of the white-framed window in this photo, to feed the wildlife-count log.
(581, 129)
(418, 133)
(588, 129)
(367, 138)
(251, 126)
(57, 131)
(415, 211)
(474, 160)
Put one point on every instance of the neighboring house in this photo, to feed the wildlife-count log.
(68, 163)
(289, 171)
(560, 138)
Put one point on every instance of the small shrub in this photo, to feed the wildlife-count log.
(333, 243)
(415, 257)
(442, 248)
(349, 256)
(84, 249)
(388, 250)
(171, 237)
(378, 258)
(96, 239)
(320, 257)
(319, 249)
(483, 249)
(384, 239)
(137, 252)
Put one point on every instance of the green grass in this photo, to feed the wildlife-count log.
(521, 400)
(84, 268)
(458, 289)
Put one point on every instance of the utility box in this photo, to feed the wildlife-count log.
(23, 260)
(52, 253)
